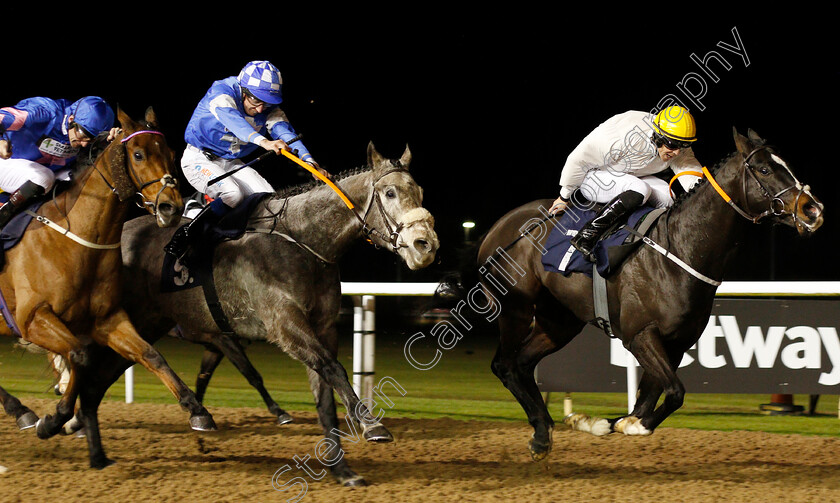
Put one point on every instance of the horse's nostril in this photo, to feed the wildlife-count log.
(166, 209)
(422, 245)
(811, 210)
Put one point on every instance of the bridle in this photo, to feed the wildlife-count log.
(166, 181)
(393, 228)
(776, 207)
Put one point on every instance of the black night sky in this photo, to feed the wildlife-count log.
(489, 104)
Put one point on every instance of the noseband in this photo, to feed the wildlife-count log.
(776, 207)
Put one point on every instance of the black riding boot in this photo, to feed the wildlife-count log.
(188, 235)
(610, 215)
(18, 200)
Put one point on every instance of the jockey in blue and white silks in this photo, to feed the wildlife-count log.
(39, 136)
(235, 117)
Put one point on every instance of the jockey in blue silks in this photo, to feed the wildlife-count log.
(236, 116)
(40, 136)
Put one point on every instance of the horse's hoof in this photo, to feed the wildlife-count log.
(540, 450)
(631, 425)
(355, 481)
(72, 426)
(539, 454)
(202, 423)
(101, 464)
(27, 420)
(378, 433)
(42, 431)
(594, 425)
(284, 418)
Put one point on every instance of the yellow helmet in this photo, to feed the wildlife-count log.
(676, 123)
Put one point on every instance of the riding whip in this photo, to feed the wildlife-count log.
(249, 163)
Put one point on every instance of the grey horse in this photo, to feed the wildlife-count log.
(280, 281)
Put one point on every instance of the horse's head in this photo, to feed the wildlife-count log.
(396, 209)
(776, 191)
(140, 164)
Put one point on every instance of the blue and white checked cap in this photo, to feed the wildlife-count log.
(263, 80)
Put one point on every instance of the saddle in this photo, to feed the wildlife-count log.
(176, 276)
(609, 252)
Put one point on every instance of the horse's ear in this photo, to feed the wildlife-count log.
(742, 143)
(375, 159)
(127, 123)
(753, 136)
(405, 160)
(151, 118)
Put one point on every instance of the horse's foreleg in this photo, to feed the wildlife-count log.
(46, 330)
(319, 353)
(119, 334)
(651, 354)
(334, 458)
(234, 352)
(23, 415)
(649, 392)
(336, 376)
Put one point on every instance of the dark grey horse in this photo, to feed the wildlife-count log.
(280, 281)
(657, 308)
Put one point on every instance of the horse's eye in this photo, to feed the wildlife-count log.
(390, 193)
(764, 170)
(138, 156)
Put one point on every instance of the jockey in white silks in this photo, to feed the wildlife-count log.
(615, 164)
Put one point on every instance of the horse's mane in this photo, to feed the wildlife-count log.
(685, 196)
(305, 187)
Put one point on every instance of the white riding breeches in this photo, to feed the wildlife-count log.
(602, 186)
(199, 170)
(14, 172)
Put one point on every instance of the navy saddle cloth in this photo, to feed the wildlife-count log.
(176, 276)
(609, 252)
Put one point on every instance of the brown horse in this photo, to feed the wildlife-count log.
(64, 294)
(656, 307)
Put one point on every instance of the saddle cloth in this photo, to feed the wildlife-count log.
(609, 252)
(177, 276)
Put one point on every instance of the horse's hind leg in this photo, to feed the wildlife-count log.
(520, 349)
(24, 416)
(211, 359)
(225, 345)
(325, 404)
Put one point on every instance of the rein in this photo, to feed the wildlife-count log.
(392, 226)
(167, 180)
(776, 205)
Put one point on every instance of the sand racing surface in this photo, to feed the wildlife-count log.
(160, 459)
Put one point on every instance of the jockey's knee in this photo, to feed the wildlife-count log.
(231, 198)
(45, 178)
